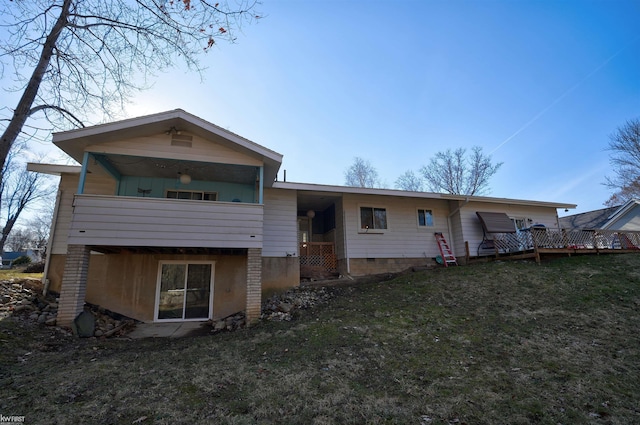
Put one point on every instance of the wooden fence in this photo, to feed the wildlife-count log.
(318, 254)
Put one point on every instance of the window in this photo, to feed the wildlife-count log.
(373, 218)
(425, 218)
(192, 194)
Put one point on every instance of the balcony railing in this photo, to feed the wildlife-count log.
(152, 222)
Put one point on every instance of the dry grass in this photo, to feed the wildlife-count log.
(17, 273)
(494, 343)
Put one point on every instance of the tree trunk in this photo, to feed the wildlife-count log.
(23, 110)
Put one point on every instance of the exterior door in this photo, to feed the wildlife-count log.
(184, 291)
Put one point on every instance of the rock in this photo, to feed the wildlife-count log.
(98, 333)
(84, 325)
(285, 307)
(220, 325)
(51, 321)
(42, 318)
(34, 316)
(22, 307)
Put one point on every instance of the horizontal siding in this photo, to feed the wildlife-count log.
(159, 146)
(68, 186)
(403, 239)
(94, 184)
(124, 221)
(472, 228)
(630, 221)
(99, 185)
(280, 223)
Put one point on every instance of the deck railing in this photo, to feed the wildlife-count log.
(585, 239)
(549, 240)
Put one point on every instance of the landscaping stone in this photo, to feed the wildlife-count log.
(84, 325)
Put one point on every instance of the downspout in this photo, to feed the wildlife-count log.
(346, 249)
(52, 230)
(466, 201)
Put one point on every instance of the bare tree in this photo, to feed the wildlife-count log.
(410, 181)
(20, 239)
(361, 174)
(453, 172)
(624, 145)
(71, 58)
(19, 190)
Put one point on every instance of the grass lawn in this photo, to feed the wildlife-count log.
(497, 343)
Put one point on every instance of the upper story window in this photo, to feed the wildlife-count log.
(192, 194)
(425, 218)
(373, 218)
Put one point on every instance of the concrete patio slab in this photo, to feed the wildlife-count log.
(169, 330)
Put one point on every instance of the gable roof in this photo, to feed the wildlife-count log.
(587, 220)
(74, 142)
(622, 210)
(603, 218)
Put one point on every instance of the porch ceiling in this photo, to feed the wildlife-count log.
(169, 168)
(317, 201)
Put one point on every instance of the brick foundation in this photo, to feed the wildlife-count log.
(254, 284)
(74, 284)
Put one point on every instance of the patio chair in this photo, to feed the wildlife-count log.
(494, 227)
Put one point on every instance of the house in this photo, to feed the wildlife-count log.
(172, 218)
(9, 257)
(623, 217)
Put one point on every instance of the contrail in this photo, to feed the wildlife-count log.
(562, 96)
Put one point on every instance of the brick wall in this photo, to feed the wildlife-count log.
(254, 284)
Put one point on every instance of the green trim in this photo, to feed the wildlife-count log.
(83, 173)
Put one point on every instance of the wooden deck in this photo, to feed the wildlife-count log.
(538, 242)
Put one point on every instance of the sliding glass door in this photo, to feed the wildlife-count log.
(185, 290)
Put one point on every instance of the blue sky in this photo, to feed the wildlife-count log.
(538, 84)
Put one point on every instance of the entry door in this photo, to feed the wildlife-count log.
(185, 291)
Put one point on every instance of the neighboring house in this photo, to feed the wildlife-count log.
(622, 217)
(9, 257)
(170, 217)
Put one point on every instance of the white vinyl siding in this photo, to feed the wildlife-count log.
(402, 239)
(159, 146)
(280, 223)
(69, 186)
(127, 221)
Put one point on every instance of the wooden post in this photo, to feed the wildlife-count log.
(466, 250)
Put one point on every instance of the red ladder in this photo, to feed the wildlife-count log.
(445, 251)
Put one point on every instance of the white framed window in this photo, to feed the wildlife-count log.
(425, 218)
(196, 195)
(373, 219)
(184, 290)
(520, 222)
